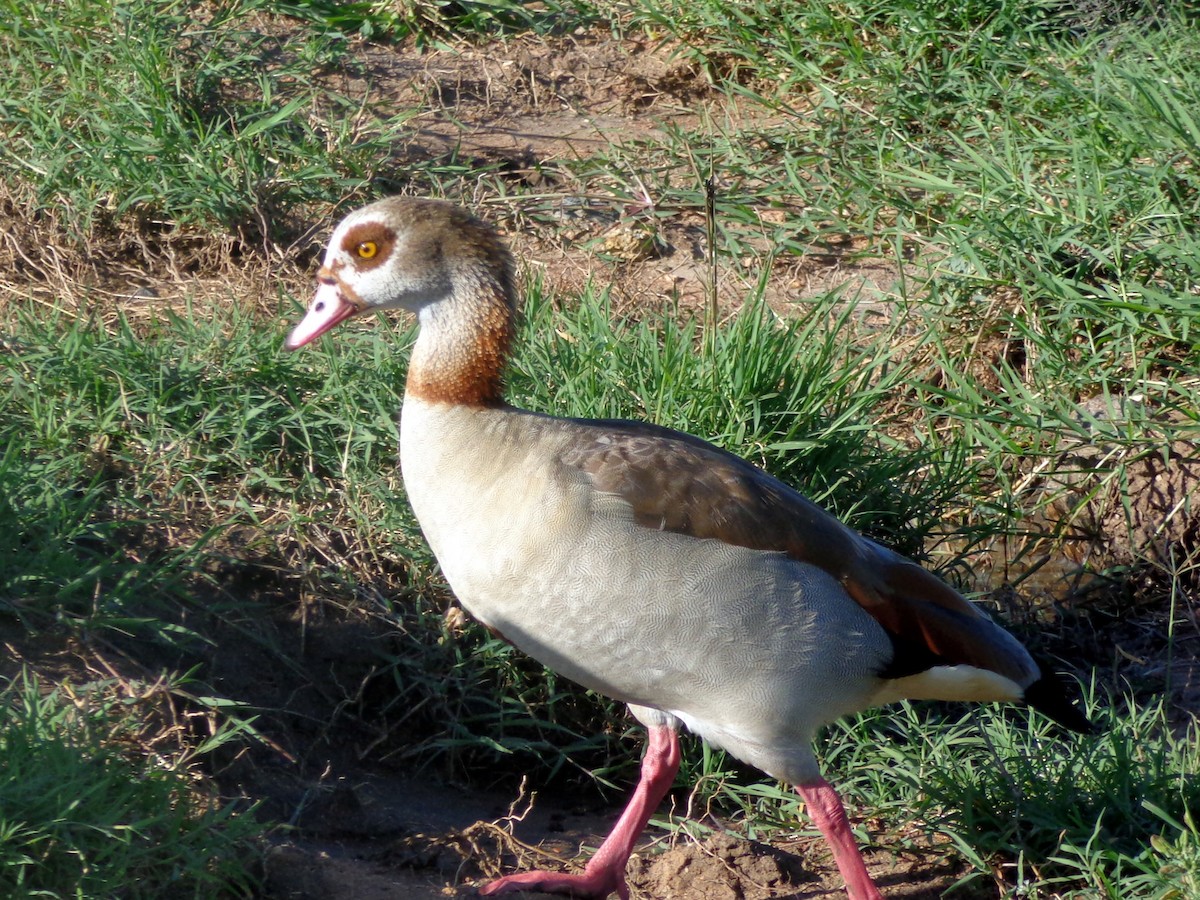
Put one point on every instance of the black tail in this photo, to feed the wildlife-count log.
(1053, 696)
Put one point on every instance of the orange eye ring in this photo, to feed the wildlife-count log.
(367, 250)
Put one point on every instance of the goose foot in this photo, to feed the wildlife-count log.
(605, 873)
(586, 886)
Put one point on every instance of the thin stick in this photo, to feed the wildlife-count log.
(710, 235)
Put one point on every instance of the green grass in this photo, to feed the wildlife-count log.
(1005, 150)
(146, 116)
(1032, 182)
(433, 22)
(82, 817)
(1075, 812)
(1045, 813)
(108, 431)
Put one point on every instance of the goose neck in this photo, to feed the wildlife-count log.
(464, 342)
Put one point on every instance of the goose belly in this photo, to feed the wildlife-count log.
(730, 640)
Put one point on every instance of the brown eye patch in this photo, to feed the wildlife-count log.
(369, 244)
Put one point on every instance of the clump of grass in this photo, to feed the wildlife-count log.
(431, 22)
(1045, 813)
(116, 438)
(152, 118)
(80, 815)
(1063, 811)
(155, 122)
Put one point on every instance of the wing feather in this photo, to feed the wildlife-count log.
(676, 482)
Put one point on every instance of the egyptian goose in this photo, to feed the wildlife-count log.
(645, 563)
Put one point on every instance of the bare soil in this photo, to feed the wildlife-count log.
(539, 105)
(359, 828)
(391, 838)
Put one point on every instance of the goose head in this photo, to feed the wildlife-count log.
(435, 260)
(407, 253)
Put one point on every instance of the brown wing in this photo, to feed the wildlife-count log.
(677, 482)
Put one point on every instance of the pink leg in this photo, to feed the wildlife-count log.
(825, 808)
(605, 872)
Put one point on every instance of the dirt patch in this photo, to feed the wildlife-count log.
(1159, 527)
(397, 838)
(725, 867)
(545, 108)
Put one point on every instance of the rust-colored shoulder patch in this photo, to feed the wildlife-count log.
(368, 244)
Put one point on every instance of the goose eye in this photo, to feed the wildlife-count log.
(367, 250)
